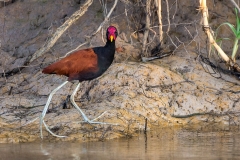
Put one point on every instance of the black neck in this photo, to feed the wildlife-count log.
(105, 56)
(110, 44)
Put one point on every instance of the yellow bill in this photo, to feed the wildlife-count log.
(111, 38)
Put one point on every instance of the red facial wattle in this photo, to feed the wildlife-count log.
(111, 33)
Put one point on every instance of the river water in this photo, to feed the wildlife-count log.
(162, 144)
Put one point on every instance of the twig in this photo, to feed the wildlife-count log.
(126, 14)
(159, 5)
(168, 19)
(82, 44)
(211, 113)
(146, 32)
(106, 18)
(204, 10)
(61, 30)
(172, 41)
(235, 4)
(182, 44)
(175, 10)
(153, 36)
(93, 34)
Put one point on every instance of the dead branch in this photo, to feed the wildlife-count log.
(159, 6)
(168, 19)
(61, 30)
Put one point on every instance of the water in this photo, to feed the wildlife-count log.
(166, 144)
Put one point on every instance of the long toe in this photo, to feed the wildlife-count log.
(55, 135)
(93, 121)
(96, 122)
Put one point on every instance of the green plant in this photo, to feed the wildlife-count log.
(236, 33)
(219, 41)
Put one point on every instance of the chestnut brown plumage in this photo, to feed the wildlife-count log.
(76, 66)
(82, 65)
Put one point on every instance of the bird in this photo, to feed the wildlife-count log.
(82, 65)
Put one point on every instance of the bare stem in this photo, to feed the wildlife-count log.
(159, 6)
(146, 32)
(204, 9)
(168, 19)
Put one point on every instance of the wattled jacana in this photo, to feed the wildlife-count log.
(82, 65)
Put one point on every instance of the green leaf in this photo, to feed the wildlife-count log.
(237, 20)
(221, 39)
(238, 36)
(236, 32)
(231, 27)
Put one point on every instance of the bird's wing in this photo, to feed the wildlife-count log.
(79, 62)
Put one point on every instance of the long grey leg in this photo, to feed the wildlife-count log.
(81, 112)
(46, 108)
(75, 105)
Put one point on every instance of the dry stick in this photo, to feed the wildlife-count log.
(145, 36)
(126, 14)
(61, 30)
(172, 41)
(175, 10)
(106, 18)
(168, 19)
(153, 36)
(104, 8)
(159, 6)
(193, 38)
(182, 44)
(204, 9)
(235, 4)
(93, 34)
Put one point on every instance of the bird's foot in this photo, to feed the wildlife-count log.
(47, 128)
(55, 135)
(96, 122)
(45, 111)
(93, 121)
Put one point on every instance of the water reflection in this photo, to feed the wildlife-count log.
(162, 144)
